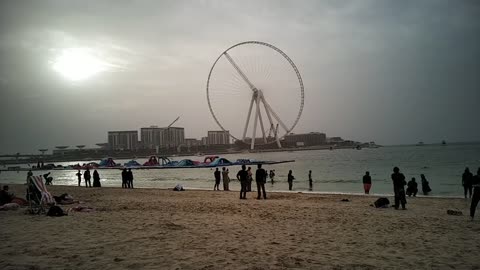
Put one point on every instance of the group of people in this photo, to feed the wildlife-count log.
(127, 178)
(469, 182)
(245, 176)
(218, 177)
(412, 185)
(87, 176)
(260, 177)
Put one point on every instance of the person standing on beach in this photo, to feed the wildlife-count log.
(226, 179)
(425, 186)
(367, 182)
(79, 176)
(217, 179)
(290, 179)
(467, 182)
(272, 176)
(242, 176)
(87, 177)
(96, 179)
(30, 173)
(130, 178)
(124, 178)
(476, 193)
(398, 188)
(250, 179)
(260, 178)
(310, 181)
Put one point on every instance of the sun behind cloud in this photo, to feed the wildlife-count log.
(78, 64)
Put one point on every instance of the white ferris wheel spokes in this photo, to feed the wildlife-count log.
(275, 78)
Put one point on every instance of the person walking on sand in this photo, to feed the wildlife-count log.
(30, 173)
(467, 178)
(398, 188)
(96, 179)
(242, 176)
(250, 179)
(367, 182)
(412, 187)
(290, 179)
(310, 181)
(476, 193)
(425, 186)
(124, 178)
(261, 178)
(130, 178)
(217, 179)
(79, 176)
(226, 179)
(86, 176)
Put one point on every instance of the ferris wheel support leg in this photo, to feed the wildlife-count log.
(248, 117)
(276, 116)
(260, 119)
(255, 120)
(272, 127)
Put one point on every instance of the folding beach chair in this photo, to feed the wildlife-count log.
(38, 196)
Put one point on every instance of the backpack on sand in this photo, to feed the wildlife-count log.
(55, 211)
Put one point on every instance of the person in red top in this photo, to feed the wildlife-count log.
(367, 182)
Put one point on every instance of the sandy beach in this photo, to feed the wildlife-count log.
(163, 229)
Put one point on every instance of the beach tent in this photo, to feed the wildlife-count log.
(132, 163)
(210, 159)
(220, 162)
(152, 161)
(108, 162)
(187, 163)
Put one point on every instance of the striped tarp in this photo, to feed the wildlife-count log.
(47, 198)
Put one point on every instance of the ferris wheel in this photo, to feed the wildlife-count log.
(259, 77)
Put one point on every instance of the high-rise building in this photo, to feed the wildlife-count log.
(154, 136)
(218, 137)
(192, 142)
(123, 140)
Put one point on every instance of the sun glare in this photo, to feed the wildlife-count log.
(78, 64)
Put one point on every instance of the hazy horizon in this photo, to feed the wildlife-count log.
(385, 71)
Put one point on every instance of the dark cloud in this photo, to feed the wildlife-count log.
(389, 71)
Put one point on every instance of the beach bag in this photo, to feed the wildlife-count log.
(55, 211)
(381, 203)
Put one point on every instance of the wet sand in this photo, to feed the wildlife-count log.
(163, 229)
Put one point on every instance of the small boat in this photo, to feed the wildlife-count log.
(444, 142)
(420, 144)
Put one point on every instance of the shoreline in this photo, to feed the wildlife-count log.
(254, 191)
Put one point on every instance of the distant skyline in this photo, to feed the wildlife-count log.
(393, 72)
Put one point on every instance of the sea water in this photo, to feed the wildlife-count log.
(333, 171)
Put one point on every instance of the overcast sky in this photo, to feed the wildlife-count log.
(393, 72)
